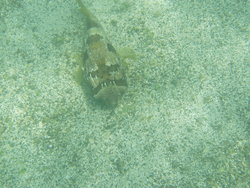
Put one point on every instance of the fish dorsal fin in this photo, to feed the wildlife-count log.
(92, 21)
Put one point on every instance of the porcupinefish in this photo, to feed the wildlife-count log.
(102, 64)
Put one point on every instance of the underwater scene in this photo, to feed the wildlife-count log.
(124, 94)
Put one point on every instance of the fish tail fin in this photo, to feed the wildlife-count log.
(92, 21)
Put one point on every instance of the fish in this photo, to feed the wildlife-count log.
(103, 66)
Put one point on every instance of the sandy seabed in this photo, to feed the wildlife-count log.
(184, 121)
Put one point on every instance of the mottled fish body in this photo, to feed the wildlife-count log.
(103, 68)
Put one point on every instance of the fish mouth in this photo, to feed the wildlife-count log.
(110, 94)
(110, 84)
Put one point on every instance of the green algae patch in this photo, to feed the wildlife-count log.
(76, 59)
(78, 75)
(127, 53)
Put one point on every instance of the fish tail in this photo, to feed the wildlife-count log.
(92, 21)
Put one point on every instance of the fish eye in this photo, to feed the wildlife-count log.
(111, 48)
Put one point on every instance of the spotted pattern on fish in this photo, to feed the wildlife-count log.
(104, 71)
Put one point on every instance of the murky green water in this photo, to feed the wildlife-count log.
(184, 121)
